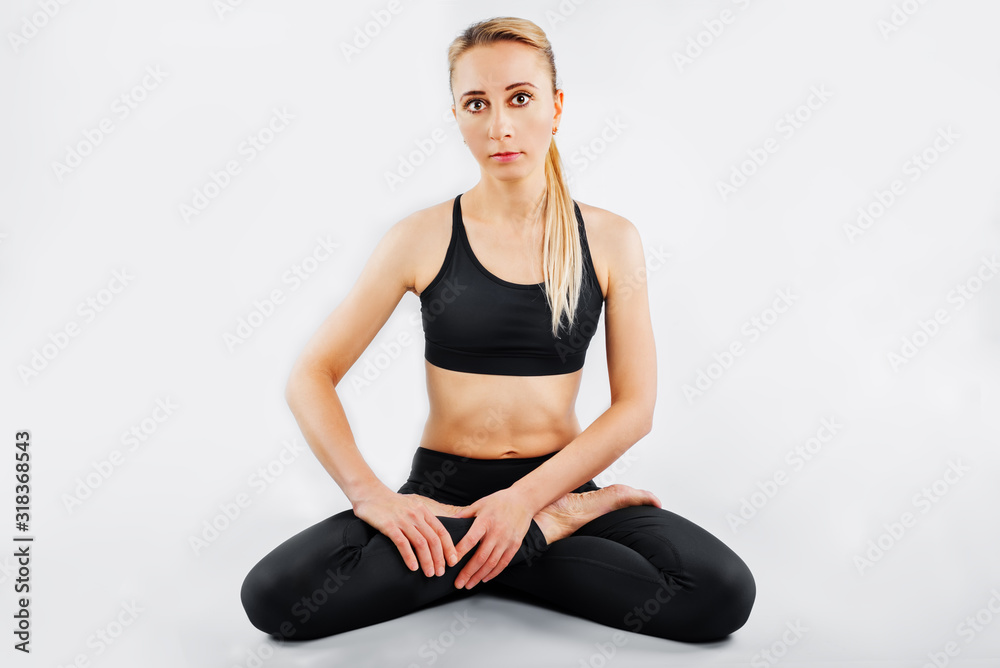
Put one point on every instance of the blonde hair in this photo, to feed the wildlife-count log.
(562, 253)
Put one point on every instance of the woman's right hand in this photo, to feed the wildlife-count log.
(410, 522)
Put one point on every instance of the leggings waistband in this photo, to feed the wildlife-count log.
(460, 480)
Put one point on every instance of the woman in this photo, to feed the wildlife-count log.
(501, 489)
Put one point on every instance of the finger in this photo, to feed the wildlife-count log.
(651, 499)
(471, 568)
(469, 540)
(488, 565)
(402, 544)
(419, 543)
(434, 542)
(475, 564)
(502, 560)
(502, 564)
(447, 546)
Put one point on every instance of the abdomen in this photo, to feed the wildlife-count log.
(493, 416)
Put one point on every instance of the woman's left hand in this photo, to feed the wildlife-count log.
(501, 522)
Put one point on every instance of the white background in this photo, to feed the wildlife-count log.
(662, 135)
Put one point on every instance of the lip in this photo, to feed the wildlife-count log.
(507, 156)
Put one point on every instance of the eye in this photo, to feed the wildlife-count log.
(467, 106)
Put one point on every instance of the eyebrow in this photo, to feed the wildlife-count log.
(513, 85)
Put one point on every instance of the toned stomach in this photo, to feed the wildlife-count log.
(494, 417)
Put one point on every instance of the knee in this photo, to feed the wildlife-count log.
(294, 602)
(260, 595)
(730, 596)
(269, 596)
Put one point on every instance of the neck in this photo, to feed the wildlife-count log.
(508, 203)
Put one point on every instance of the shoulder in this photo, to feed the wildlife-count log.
(420, 240)
(615, 243)
(604, 222)
(423, 222)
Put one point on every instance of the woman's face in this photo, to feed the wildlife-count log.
(504, 104)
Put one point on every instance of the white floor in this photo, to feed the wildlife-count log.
(817, 622)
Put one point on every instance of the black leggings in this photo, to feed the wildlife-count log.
(641, 568)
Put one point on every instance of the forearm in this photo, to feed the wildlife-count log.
(593, 450)
(312, 398)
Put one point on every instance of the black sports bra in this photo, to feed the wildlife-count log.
(477, 322)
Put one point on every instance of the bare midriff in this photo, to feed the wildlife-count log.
(493, 416)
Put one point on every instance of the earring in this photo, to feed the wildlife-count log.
(555, 130)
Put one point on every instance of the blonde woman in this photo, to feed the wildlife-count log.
(501, 490)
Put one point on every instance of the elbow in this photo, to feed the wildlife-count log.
(292, 386)
(639, 418)
(293, 383)
(299, 381)
(647, 423)
(644, 417)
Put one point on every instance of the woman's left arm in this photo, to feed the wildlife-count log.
(632, 375)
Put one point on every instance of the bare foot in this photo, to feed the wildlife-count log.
(570, 512)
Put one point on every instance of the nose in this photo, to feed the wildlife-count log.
(500, 125)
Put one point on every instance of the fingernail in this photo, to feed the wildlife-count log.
(452, 559)
(440, 570)
(459, 583)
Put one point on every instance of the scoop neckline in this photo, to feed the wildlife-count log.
(475, 260)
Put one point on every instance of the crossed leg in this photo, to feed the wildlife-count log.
(639, 568)
(342, 574)
(643, 569)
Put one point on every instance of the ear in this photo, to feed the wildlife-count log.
(558, 103)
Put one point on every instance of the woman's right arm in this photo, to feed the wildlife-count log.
(311, 395)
